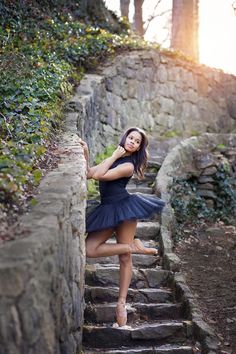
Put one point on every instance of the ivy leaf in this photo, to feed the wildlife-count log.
(37, 174)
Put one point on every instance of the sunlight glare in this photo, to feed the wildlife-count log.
(217, 33)
(217, 30)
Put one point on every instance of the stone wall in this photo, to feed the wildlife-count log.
(181, 162)
(42, 271)
(157, 92)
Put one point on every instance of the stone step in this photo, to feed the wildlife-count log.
(163, 332)
(148, 230)
(154, 218)
(102, 275)
(139, 260)
(105, 313)
(137, 183)
(139, 189)
(147, 243)
(162, 349)
(149, 177)
(110, 294)
(155, 162)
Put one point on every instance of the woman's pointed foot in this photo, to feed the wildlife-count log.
(138, 247)
(121, 314)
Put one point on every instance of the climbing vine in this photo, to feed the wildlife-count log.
(191, 208)
(42, 57)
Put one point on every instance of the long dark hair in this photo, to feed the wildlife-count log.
(140, 156)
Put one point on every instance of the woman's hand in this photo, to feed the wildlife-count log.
(85, 148)
(119, 152)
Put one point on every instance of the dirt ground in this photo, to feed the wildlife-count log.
(208, 258)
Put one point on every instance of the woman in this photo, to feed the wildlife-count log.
(119, 211)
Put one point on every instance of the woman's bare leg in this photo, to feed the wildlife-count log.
(124, 234)
(96, 245)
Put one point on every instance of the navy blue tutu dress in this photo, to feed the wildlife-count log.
(117, 205)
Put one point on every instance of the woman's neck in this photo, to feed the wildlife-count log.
(127, 154)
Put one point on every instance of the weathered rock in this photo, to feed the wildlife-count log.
(40, 273)
(105, 313)
(205, 179)
(203, 160)
(110, 294)
(210, 203)
(209, 171)
(96, 336)
(171, 262)
(214, 231)
(172, 331)
(207, 186)
(148, 230)
(100, 275)
(207, 193)
(162, 349)
(139, 260)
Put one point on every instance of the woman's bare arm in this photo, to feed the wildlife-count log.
(126, 169)
(101, 171)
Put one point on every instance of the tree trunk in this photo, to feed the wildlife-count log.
(124, 8)
(184, 34)
(138, 17)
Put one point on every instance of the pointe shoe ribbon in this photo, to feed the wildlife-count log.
(138, 247)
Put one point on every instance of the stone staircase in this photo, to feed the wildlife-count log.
(156, 320)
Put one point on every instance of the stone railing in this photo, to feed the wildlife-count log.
(183, 162)
(42, 270)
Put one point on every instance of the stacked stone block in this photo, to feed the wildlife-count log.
(42, 271)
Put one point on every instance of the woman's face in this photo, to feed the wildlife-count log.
(133, 141)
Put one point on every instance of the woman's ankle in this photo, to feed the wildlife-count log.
(121, 300)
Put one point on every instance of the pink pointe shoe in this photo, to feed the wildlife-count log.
(121, 314)
(138, 247)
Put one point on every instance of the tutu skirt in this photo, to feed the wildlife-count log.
(115, 209)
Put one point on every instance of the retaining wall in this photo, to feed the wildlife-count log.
(180, 163)
(42, 271)
(154, 91)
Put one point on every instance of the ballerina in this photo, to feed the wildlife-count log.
(119, 211)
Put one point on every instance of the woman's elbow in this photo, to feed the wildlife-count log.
(96, 176)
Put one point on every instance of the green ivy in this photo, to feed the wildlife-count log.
(191, 208)
(105, 154)
(93, 192)
(41, 59)
(226, 194)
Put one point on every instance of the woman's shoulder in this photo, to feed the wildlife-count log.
(122, 160)
(125, 159)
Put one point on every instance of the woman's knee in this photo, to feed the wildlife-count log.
(125, 258)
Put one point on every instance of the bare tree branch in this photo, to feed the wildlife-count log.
(155, 16)
(234, 6)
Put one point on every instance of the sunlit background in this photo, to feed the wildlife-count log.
(217, 29)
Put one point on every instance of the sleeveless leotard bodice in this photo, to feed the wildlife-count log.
(115, 190)
(117, 205)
